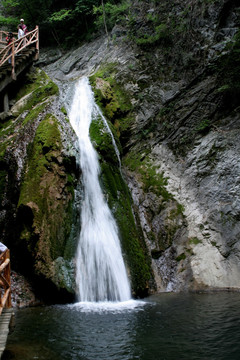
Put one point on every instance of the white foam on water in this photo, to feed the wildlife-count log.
(109, 306)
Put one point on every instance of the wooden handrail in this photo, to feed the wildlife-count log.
(5, 281)
(11, 50)
(6, 262)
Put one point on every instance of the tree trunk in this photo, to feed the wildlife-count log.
(104, 20)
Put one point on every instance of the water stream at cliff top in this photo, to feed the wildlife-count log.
(101, 274)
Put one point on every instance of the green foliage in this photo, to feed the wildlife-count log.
(181, 257)
(58, 21)
(63, 110)
(203, 126)
(9, 21)
(85, 6)
(161, 33)
(134, 160)
(194, 241)
(114, 13)
(152, 180)
(60, 15)
(223, 88)
(10, 8)
(10, 4)
(179, 210)
(65, 22)
(112, 98)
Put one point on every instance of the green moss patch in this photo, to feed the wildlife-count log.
(111, 97)
(133, 246)
(119, 200)
(195, 241)
(181, 257)
(152, 180)
(48, 192)
(102, 140)
(38, 83)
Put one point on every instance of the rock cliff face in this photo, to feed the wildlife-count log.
(169, 83)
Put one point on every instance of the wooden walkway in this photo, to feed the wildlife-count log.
(9, 53)
(15, 58)
(5, 323)
(6, 311)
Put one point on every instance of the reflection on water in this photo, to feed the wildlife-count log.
(164, 327)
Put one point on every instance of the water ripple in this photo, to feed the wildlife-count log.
(164, 327)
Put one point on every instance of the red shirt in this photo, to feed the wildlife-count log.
(9, 40)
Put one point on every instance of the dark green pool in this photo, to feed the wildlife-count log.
(164, 327)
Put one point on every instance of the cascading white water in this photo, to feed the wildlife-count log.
(101, 273)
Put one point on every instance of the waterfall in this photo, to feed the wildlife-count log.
(100, 270)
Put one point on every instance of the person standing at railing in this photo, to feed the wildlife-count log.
(20, 31)
(24, 27)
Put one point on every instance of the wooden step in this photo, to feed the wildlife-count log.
(5, 320)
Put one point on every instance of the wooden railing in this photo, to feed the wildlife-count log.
(11, 50)
(5, 281)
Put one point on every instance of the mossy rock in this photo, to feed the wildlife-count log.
(133, 247)
(102, 140)
(119, 200)
(112, 98)
(152, 180)
(45, 206)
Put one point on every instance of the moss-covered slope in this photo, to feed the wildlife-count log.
(37, 194)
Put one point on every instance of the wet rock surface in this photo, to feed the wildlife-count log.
(22, 294)
(38, 176)
(189, 131)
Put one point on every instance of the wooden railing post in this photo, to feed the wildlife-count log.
(5, 281)
(8, 278)
(13, 61)
(37, 44)
(17, 47)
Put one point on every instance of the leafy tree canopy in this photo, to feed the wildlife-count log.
(64, 21)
